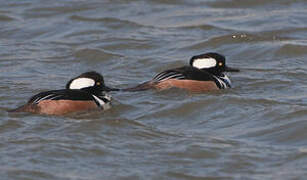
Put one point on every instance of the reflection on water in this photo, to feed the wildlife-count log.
(255, 130)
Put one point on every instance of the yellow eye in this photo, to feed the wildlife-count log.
(98, 83)
(220, 64)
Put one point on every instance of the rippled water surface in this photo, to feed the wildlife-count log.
(256, 130)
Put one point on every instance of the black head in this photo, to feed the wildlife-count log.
(91, 81)
(213, 62)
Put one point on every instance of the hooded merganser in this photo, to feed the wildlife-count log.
(82, 93)
(205, 73)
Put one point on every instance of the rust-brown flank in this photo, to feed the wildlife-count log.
(190, 85)
(59, 107)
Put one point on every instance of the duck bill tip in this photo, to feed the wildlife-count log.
(230, 69)
(107, 89)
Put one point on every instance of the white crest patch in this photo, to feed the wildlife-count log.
(204, 63)
(80, 83)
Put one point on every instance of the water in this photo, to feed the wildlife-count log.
(256, 130)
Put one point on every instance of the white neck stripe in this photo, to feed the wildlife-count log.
(100, 101)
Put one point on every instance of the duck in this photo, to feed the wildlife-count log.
(82, 93)
(206, 72)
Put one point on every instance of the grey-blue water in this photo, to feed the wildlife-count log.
(256, 130)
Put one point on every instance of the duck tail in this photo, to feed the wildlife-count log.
(141, 87)
(22, 108)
